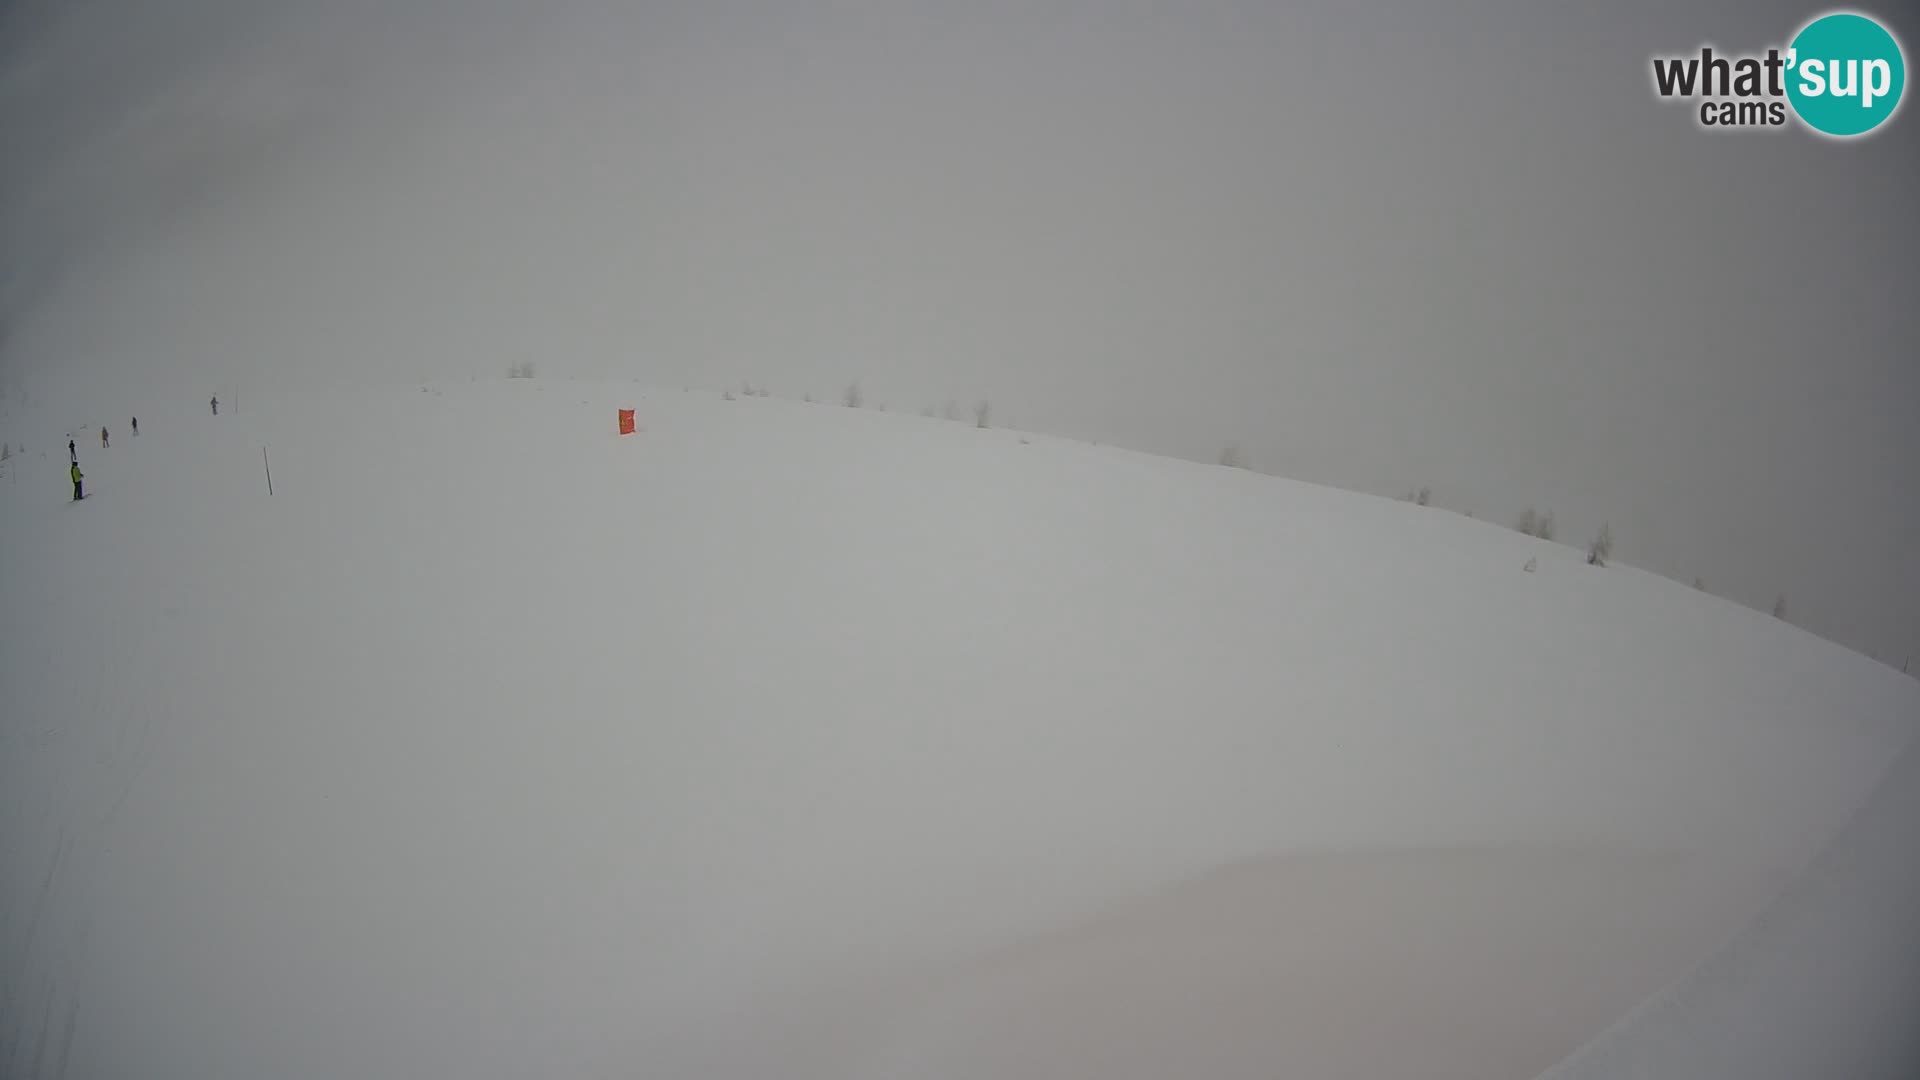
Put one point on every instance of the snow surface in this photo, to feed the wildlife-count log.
(1825, 983)
(787, 740)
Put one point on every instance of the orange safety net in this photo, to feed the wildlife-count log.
(626, 421)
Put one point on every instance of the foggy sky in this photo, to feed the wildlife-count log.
(1382, 246)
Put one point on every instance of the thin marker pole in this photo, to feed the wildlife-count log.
(269, 465)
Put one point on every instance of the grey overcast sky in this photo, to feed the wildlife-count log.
(1379, 245)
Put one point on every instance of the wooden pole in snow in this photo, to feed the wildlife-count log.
(269, 466)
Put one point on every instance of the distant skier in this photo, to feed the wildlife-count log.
(77, 475)
(73, 455)
(136, 427)
(216, 404)
(103, 437)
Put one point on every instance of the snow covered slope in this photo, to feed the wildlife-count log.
(1825, 983)
(786, 740)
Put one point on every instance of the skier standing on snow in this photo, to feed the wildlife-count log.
(72, 454)
(77, 475)
(216, 404)
(136, 426)
(103, 437)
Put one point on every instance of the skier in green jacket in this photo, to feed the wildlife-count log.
(77, 475)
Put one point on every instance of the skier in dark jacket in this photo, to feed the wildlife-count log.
(136, 425)
(103, 437)
(216, 404)
(73, 455)
(77, 475)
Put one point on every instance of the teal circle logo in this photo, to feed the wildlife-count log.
(1845, 74)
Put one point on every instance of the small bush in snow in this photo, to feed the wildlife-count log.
(981, 414)
(1544, 527)
(1601, 549)
(520, 371)
(1780, 606)
(852, 397)
(1528, 521)
(1423, 496)
(1532, 565)
(1230, 456)
(1700, 583)
(6, 451)
(727, 394)
(807, 397)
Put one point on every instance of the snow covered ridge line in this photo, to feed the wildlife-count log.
(1599, 550)
(1824, 983)
(1540, 524)
(853, 397)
